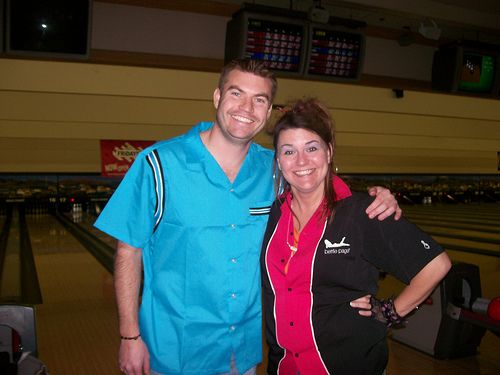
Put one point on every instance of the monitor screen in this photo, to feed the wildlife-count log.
(335, 54)
(477, 72)
(279, 42)
(48, 28)
(1, 26)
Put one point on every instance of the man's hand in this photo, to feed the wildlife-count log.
(384, 204)
(363, 303)
(134, 357)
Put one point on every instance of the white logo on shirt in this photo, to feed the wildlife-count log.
(340, 244)
(426, 245)
(334, 248)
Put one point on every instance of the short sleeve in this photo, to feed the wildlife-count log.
(399, 247)
(129, 215)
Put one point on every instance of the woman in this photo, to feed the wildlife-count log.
(321, 251)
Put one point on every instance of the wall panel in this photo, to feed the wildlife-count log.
(52, 115)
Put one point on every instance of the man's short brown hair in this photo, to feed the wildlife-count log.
(249, 66)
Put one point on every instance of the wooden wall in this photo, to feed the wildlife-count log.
(53, 114)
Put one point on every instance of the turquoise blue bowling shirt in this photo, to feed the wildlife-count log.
(201, 237)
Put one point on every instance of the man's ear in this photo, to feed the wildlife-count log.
(269, 111)
(216, 97)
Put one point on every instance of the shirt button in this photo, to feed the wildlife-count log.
(296, 354)
(232, 328)
(233, 295)
(231, 190)
(233, 260)
(282, 261)
(291, 323)
(289, 289)
(232, 225)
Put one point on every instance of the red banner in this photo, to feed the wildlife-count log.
(118, 156)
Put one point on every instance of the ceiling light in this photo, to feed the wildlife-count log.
(430, 32)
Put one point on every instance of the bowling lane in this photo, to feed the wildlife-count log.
(466, 225)
(470, 228)
(472, 234)
(77, 322)
(487, 213)
(86, 221)
(10, 278)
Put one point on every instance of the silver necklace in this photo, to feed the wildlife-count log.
(293, 248)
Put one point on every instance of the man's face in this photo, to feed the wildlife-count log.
(243, 107)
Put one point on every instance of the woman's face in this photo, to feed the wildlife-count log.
(303, 157)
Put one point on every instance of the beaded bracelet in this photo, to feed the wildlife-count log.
(130, 338)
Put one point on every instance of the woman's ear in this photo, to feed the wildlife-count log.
(330, 152)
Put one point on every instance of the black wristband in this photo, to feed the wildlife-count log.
(385, 311)
(130, 338)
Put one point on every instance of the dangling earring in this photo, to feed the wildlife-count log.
(335, 169)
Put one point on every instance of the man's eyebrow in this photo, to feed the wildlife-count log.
(235, 87)
(264, 95)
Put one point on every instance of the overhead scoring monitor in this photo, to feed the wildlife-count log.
(334, 53)
(279, 42)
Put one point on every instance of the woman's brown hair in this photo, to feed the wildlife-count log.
(311, 114)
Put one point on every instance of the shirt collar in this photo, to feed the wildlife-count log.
(341, 188)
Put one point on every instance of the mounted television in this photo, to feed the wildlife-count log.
(279, 42)
(48, 28)
(335, 54)
(1, 26)
(472, 69)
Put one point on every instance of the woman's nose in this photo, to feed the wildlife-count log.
(301, 158)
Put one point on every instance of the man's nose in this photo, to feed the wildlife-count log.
(247, 104)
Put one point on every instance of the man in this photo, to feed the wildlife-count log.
(194, 209)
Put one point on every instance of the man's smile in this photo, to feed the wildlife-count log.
(242, 119)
